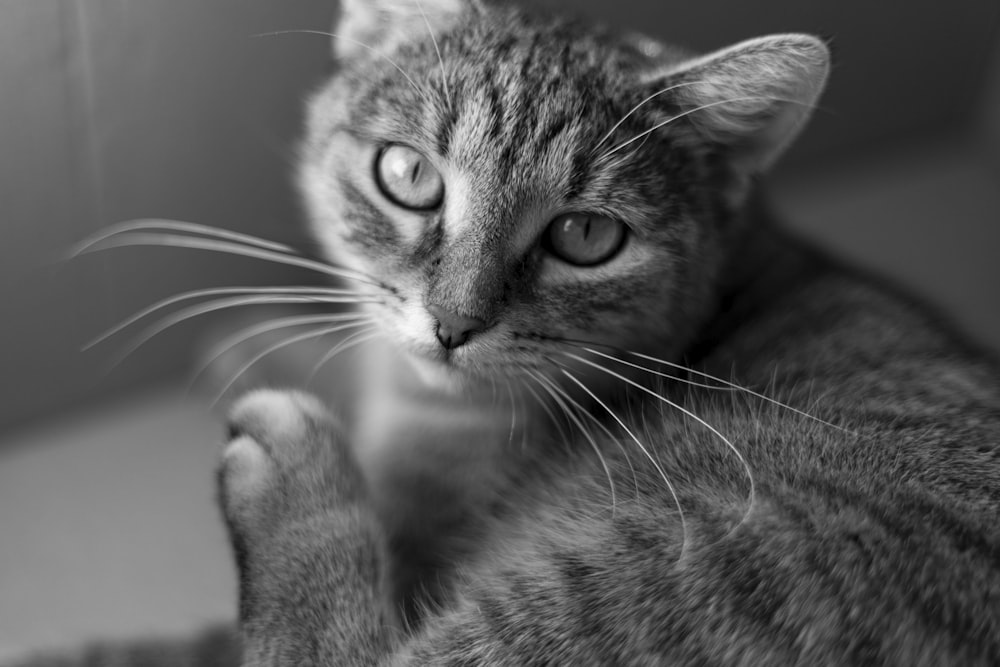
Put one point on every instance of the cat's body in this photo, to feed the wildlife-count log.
(529, 494)
(877, 544)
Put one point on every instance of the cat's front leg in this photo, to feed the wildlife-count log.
(310, 552)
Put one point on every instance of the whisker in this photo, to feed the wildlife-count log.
(643, 449)
(688, 113)
(195, 243)
(219, 291)
(555, 394)
(668, 376)
(544, 404)
(367, 47)
(437, 49)
(513, 412)
(315, 333)
(733, 385)
(146, 224)
(247, 333)
(585, 346)
(216, 305)
(521, 400)
(689, 414)
(586, 413)
(343, 346)
(639, 106)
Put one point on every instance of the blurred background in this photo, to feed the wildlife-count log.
(112, 110)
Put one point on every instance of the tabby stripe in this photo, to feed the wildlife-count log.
(580, 174)
(864, 642)
(496, 112)
(545, 135)
(369, 227)
(897, 532)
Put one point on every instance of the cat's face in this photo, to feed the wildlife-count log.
(487, 178)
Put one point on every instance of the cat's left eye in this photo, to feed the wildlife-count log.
(584, 240)
(408, 179)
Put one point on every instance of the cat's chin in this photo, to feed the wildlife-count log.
(439, 374)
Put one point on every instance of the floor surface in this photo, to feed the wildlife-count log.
(108, 526)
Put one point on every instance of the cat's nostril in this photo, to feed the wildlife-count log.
(454, 330)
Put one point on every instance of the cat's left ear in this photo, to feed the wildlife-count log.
(364, 26)
(753, 97)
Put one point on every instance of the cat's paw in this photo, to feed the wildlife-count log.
(307, 544)
(285, 460)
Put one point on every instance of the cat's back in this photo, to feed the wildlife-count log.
(876, 387)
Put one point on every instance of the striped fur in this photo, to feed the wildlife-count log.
(435, 527)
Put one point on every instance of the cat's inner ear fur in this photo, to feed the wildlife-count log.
(365, 26)
(753, 97)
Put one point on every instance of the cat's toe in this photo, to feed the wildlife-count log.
(270, 415)
(285, 455)
(246, 467)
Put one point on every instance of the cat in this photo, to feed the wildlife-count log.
(614, 415)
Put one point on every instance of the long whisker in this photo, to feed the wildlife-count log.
(367, 47)
(523, 402)
(690, 415)
(668, 376)
(733, 385)
(586, 413)
(216, 305)
(555, 394)
(688, 113)
(195, 243)
(586, 346)
(545, 406)
(351, 341)
(437, 49)
(315, 333)
(643, 449)
(513, 412)
(147, 224)
(247, 333)
(219, 291)
(639, 106)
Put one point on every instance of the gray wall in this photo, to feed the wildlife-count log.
(989, 104)
(901, 71)
(117, 109)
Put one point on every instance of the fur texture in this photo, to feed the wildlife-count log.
(553, 491)
(869, 541)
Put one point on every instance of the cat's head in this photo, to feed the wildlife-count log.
(517, 180)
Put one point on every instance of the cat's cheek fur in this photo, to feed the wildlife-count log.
(413, 328)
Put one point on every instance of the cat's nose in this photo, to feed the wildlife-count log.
(454, 330)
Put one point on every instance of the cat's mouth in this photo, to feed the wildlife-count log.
(443, 370)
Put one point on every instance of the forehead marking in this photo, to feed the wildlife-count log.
(457, 213)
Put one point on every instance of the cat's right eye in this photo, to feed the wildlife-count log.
(584, 240)
(408, 179)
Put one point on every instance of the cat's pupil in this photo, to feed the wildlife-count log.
(584, 240)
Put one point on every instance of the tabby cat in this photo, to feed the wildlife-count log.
(612, 415)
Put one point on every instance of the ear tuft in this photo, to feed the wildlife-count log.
(754, 96)
(364, 26)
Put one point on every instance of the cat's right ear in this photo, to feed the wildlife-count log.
(378, 26)
(753, 97)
